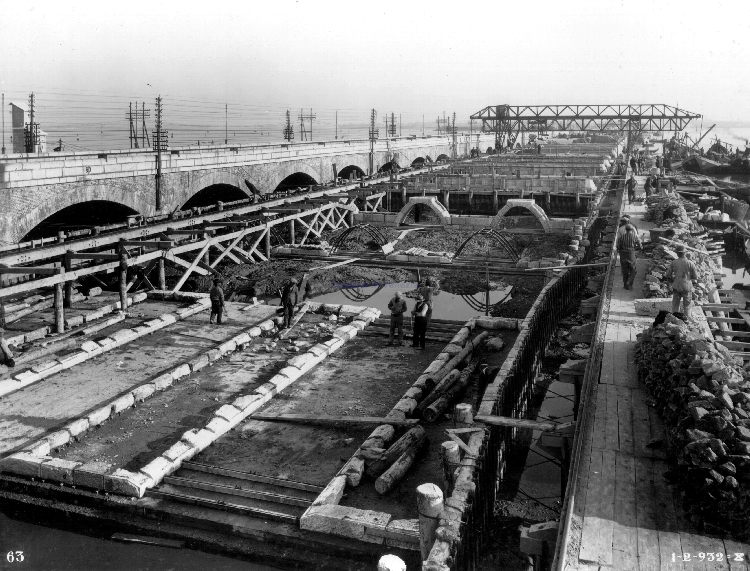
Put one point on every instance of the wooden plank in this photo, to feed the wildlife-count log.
(648, 537)
(607, 375)
(237, 491)
(745, 356)
(724, 319)
(731, 333)
(41, 270)
(600, 413)
(198, 467)
(632, 365)
(734, 344)
(591, 550)
(146, 540)
(326, 419)
(93, 256)
(641, 424)
(625, 419)
(624, 534)
(689, 536)
(667, 523)
(737, 555)
(745, 315)
(337, 264)
(612, 436)
(721, 306)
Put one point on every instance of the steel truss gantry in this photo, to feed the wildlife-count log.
(510, 120)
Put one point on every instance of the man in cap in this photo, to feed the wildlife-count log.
(6, 356)
(627, 244)
(397, 306)
(289, 298)
(217, 301)
(682, 272)
(419, 331)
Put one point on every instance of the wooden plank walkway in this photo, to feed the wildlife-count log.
(625, 515)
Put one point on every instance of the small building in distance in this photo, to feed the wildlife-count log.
(20, 118)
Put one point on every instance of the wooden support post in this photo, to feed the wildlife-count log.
(391, 563)
(207, 255)
(429, 506)
(495, 205)
(548, 202)
(162, 274)
(350, 217)
(267, 242)
(463, 417)
(451, 455)
(291, 231)
(403, 195)
(59, 311)
(68, 288)
(447, 199)
(123, 281)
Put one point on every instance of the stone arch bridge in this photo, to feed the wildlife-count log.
(34, 187)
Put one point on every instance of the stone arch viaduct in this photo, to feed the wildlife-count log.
(33, 187)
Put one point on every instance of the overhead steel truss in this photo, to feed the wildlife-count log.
(506, 120)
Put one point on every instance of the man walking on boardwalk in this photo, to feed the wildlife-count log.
(289, 300)
(419, 331)
(682, 272)
(627, 244)
(217, 302)
(397, 306)
(631, 184)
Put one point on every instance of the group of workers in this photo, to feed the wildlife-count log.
(681, 271)
(289, 299)
(421, 315)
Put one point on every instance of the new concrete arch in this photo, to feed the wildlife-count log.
(529, 205)
(429, 201)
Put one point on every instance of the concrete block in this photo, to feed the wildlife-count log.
(241, 339)
(38, 448)
(123, 336)
(40, 333)
(162, 381)
(302, 361)
(227, 412)
(267, 390)
(122, 403)
(345, 333)
(181, 371)
(213, 355)
(99, 415)
(345, 522)
(199, 439)
(27, 377)
(168, 318)
(157, 469)
(319, 350)
(74, 359)
(154, 324)
(199, 363)
(139, 297)
(267, 325)
(78, 426)
(227, 347)
(127, 483)
(358, 324)
(47, 368)
(254, 332)
(219, 426)
(582, 333)
(75, 321)
(349, 310)
(143, 392)
(179, 452)
(331, 308)
(57, 439)
(106, 343)
(90, 346)
(246, 402)
(22, 464)
(58, 470)
(332, 493)
(334, 345)
(280, 382)
(91, 474)
(292, 373)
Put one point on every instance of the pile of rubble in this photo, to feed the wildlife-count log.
(703, 395)
(681, 211)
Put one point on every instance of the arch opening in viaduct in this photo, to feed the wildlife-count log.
(389, 166)
(442, 157)
(419, 162)
(347, 171)
(294, 181)
(213, 194)
(83, 215)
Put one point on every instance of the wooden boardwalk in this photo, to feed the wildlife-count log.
(625, 515)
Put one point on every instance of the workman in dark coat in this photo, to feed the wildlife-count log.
(631, 184)
(397, 307)
(627, 244)
(289, 300)
(217, 302)
(419, 331)
(633, 165)
(648, 186)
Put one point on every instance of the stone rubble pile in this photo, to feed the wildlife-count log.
(703, 395)
(682, 211)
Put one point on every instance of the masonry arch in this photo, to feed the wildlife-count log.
(213, 194)
(83, 215)
(442, 157)
(348, 170)
(418, 162)
(527, 204)
(425, 202)
(234, 178)
(294, 181)
(389, 166)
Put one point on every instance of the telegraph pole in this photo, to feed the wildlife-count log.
(161, 143)
(399, 124)
(226, 124)
(302, 119)
(337, 124)
(423, 125)
(393, 125)
(3, 151)
(288, 130)
(31, 131)
(133, 136)
(373, 137)
(455, 149)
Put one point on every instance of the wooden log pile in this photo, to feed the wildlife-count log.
(703, 395)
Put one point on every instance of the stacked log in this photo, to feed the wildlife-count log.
(442, 401)
(413, 438)
(703, 395)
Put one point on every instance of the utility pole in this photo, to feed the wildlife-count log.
(288, 130)
(337, 124)
(373, 137)
(302, 119)
(226, 124)
(393, 125)
(399, 124)
(423, 125)
(438, 122)
(138, 123)
(161, 144)
(133, 136)
(455, 145)
(3, 151)
(33, 128)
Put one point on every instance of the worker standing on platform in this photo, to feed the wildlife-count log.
(289, 300)
(682, 272)
(633, 165)
(631, 185)
(397, 306)
(6, 356)
(419, 331)
(427, 291)
(627, 244)
(648, 186)
(217, 302)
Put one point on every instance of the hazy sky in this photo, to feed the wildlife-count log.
(414, 57)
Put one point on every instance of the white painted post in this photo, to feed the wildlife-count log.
(391, 563)
(429, 506)
(463, 416)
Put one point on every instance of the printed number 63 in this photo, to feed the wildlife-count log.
(14, 556)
